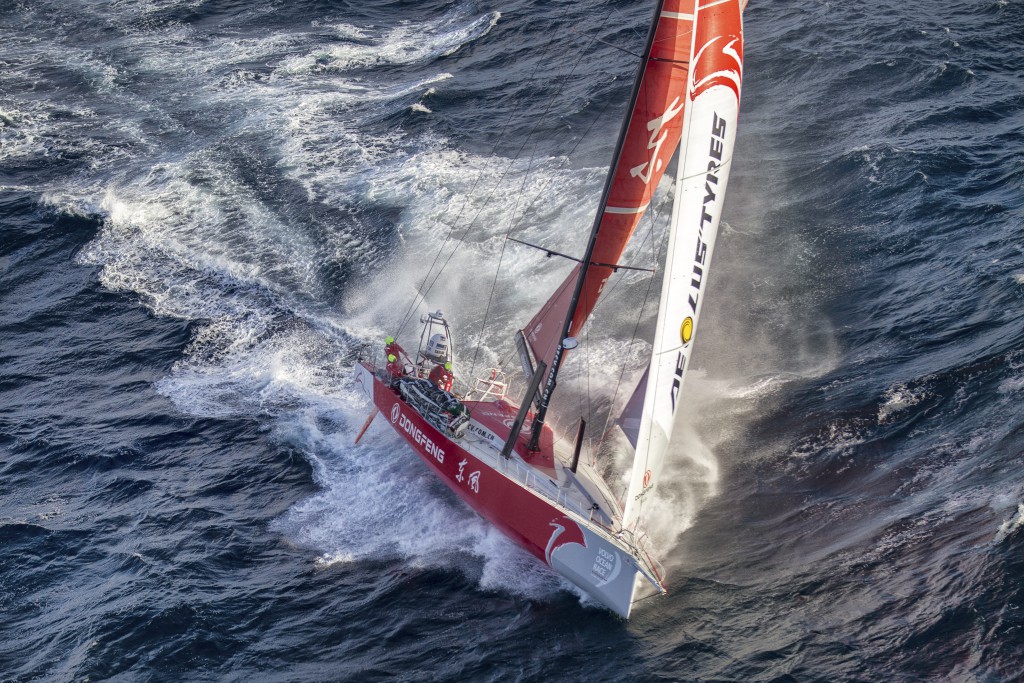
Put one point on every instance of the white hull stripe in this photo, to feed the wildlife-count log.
(712, 4)
(677, 15)
(626, 209)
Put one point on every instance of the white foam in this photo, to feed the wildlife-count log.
(212, 252)
(1010, 526)
(380, 502)
(1012, 385)
(897, 399)
(404, 44)
(20, 132)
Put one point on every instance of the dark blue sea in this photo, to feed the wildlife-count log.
(208, 206)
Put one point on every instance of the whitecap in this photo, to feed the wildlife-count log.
(1010, 526)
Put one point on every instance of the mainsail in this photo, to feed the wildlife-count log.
(651, 135)
(705, 158)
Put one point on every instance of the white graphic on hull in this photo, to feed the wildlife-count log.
(607, 566)
(563, 534)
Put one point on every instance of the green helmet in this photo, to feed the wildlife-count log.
(448, 365)
(389, 339)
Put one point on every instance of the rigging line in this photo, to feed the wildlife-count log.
(507, 169)
(639, 318)
(652, 212)
(617, 47)
(625, 22)
(648, 597)
(659, 255)
(579, 140)
(501, 257)
(636, 328)
(472, 190)
(572, 150)
(653, 216)
(508, 361)
(581, 277)
(613, 45)
(586, 133)
(600, 114)
(493, 190)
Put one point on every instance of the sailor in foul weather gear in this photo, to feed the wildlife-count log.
(395, 368)
(442, 376)
(392, 348)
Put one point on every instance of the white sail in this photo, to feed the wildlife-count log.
(709, 133)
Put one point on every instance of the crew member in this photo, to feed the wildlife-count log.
(392, 348)
(395, 368)
(442, 376)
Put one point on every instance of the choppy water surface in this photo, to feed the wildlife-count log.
(208, 207)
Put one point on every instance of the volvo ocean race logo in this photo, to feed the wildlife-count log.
(607, 567)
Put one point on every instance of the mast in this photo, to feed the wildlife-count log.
(585, 263)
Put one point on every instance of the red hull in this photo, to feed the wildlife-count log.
(490, 493)
(560, 537)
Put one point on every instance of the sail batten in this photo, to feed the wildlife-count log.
(626, 209)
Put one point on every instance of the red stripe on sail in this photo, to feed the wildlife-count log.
(652, 136)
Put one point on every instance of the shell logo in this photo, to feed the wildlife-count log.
(686, 330)
(395, 412)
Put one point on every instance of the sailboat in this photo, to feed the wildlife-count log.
(503, 458)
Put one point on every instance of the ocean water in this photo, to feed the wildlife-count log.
(207, 208)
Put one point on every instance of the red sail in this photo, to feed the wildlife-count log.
(651, 139)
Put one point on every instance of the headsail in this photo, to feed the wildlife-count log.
(651, 137)
(709, 133)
